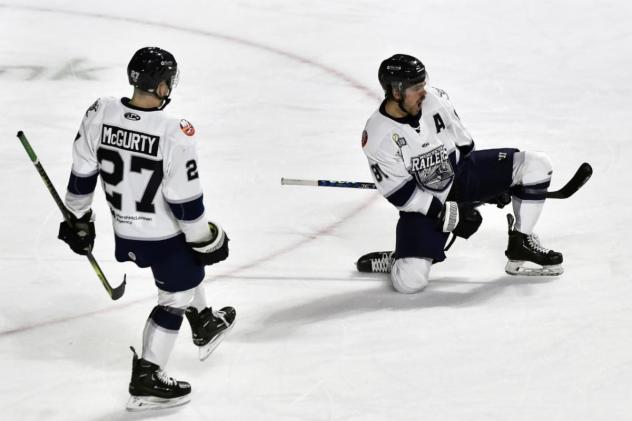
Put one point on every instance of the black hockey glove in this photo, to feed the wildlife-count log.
(501, 200)
(78, 233)
(461, 219)
(214, 250)
(470, 220)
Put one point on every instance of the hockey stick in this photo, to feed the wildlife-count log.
(114, 293)
(327, 183)
(581, 176)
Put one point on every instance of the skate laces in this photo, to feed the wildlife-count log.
(534, 243)
(164, 378)
(219, 314)
(383, 264)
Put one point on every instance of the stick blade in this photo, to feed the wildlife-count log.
(119, 290)
(581, 176)
(586, 170)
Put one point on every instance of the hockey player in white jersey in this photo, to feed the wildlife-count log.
(424, 162)
(149, 173)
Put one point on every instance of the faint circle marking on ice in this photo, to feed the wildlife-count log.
(229, 38)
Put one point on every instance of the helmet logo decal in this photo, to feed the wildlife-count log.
(187, 128)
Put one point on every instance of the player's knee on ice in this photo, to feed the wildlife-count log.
(410, 274)
(531, 168)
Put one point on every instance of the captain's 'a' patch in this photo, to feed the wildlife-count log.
(439, 124)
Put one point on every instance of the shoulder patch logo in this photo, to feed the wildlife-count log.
(365, 138)
(94, 107)
(399, 141)
(187, 128)
(442, 93)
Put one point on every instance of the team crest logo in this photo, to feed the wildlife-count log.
(433, 169)
(187, 128)
(365, 138)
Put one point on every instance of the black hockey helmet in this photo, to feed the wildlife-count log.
(400, 72)
(151, 65)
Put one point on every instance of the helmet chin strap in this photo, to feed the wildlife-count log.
(165, 99)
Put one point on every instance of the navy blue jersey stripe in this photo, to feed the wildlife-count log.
(188, 211)
(82, 185)
(167, 317)
(402, 195)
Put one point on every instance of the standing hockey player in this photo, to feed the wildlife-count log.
(424, 162)
(149, 170)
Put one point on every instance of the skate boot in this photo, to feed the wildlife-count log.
(527, 257)
(209, 327)
(151, 388)
(377, 261)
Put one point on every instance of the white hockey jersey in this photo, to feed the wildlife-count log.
(148, 168)
(413, 162)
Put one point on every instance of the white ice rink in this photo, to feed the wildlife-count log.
(281, 88)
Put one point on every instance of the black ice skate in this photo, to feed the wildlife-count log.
(209, 327)
(377, 261)
(527, 257)
(151, 388)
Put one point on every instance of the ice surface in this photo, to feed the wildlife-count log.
(282, 88)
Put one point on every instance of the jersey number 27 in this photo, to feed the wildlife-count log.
(137, 164)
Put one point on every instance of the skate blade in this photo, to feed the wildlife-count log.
(521, 268)
(205, 350)
(146, 403)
